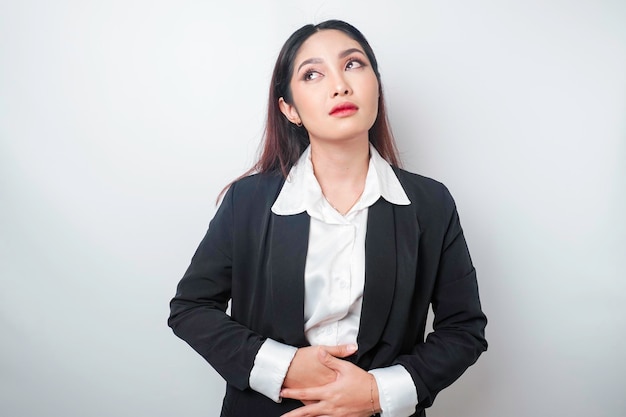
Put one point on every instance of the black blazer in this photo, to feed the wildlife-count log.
(415, 256)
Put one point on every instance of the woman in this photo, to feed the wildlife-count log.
(331, 256)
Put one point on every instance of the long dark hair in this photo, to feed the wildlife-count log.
(283, 141)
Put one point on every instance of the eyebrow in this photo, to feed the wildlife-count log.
(342, 54)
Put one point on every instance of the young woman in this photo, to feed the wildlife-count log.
(331, 256)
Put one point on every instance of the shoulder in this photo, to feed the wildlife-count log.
(264, 181)
(425, 192)
(431, 203)
(254, 190)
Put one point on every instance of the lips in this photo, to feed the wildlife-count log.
(343, 110)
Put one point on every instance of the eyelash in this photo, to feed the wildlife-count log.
(349, 61)
(357, 60)
(307, 74)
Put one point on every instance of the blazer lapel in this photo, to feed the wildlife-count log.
(289, 239)
(380, 274)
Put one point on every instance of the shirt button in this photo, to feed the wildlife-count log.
(343, 284)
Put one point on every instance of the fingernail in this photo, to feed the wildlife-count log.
(352, 348)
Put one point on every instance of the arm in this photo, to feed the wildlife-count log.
(458, 336)
(198, 317)
(198, 309)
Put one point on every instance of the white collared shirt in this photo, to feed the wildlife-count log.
(334, 278)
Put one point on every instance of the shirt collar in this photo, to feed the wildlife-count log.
(301, 191)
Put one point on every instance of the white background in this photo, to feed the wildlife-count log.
(120, 122)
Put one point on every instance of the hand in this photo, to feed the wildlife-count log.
(350, 395)
(306, 371)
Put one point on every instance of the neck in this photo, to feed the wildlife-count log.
(341, 170)
(341, 163)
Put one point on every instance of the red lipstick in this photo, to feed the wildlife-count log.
(343, 110)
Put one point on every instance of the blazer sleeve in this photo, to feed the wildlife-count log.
(198, 310)
(458, 336)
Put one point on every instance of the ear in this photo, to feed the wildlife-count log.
(290, 112)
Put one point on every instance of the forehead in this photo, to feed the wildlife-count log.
(326, 43)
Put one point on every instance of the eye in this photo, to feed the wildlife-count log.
(311, 75)
(354, 63)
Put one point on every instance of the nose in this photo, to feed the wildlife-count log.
(341, 92)
(341, 86)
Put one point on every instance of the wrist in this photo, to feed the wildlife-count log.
(374, 398)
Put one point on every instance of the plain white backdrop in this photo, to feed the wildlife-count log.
(120, 122)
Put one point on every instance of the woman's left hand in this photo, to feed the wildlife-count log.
(350, 395)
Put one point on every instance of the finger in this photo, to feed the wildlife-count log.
(302, 394)
(341, 351)
(330, 361)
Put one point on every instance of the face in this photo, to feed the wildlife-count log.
(334, 88)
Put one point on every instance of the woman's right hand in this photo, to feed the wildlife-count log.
(306, 371)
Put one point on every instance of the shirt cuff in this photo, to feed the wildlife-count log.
(270, 367)
(396, 391)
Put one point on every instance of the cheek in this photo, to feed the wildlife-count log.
(370, 87)
(374, 95)
(301, 101)
(375, 89)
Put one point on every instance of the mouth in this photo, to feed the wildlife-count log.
(343, 110)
